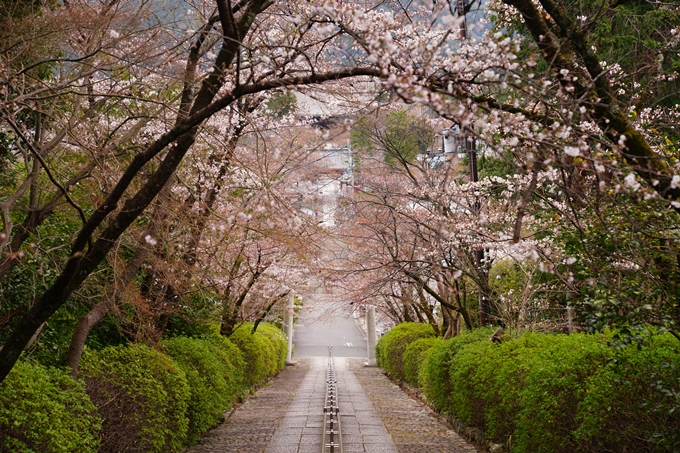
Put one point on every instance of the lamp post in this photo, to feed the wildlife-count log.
(471, 151)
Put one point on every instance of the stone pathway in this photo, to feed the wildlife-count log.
(250, 427)
(300, 429)
(287, 415)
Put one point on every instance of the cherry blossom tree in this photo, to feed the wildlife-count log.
(233, 52)
(595, 160)
(113, 98)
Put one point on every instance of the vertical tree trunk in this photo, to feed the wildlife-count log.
(99, 311)
(428, 312)
(448, 328)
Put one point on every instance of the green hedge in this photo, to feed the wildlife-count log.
(278, 339)
(415, 355)
(142, 396)
(44, 410)
(262, 353)
(633, 403)
(136, 399)
(231, 355)
(391, 347)
(553, 388)
(464, 401)
(435, 378)
(206, 373)
(528, 389)
(554, 393)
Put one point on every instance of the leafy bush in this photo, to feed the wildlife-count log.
(206, 374)
(415, 355)
(278, 339)
(529, 388)
(231, 355)
(391, 346)
(44, 410)
(142, 396)
(500, 379)
(556, 393)
(435, 378)
(633, 403)
(552, 390)
(260, 354)
(464, 400)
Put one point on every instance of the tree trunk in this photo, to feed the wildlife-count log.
(82, 263)
(462, 309)
(99, 311)
(428, 312)
(85, 255)
(268, 309)
(448, 327)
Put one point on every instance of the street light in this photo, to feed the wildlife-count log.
(455, 141)
(471, 150)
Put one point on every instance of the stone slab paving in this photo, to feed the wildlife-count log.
(250, 427)
(287, 415)
(363, 431)
(412, 426)
(300, 429)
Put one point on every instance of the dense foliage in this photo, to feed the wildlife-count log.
(142, 397)
(163, 401)
(415, 355)
(44, 410)
(390, 347)
(436, 369)
(558, 393)
(265, 353)
(207, 375)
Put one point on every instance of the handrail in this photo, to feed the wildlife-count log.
(331, 417)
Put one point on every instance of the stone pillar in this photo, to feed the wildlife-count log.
(288, 323)
(570, 318)
(370, 334)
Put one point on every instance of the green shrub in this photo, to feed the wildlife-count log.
(633, 403)
(206, 374)
(142, 396)
(231, 355)
(259, 353)
(464, 400)
(548, 397)
(435, 378)
(44, 410)
(530, 388)
(278, 339)
(561, 393)
(391, 346)
(500, 378)
(414, 357)
(526, 389)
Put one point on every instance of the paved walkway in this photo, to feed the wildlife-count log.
(286, 416)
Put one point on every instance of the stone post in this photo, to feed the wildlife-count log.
(370, 334)
(570, 318)
(288, 322)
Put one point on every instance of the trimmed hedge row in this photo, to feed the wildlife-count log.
(414, 355)
(207, 375)
(45, 410)
(136, 399)
(390, 348)
(552, 393)
(435, 379)
(142, 396)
